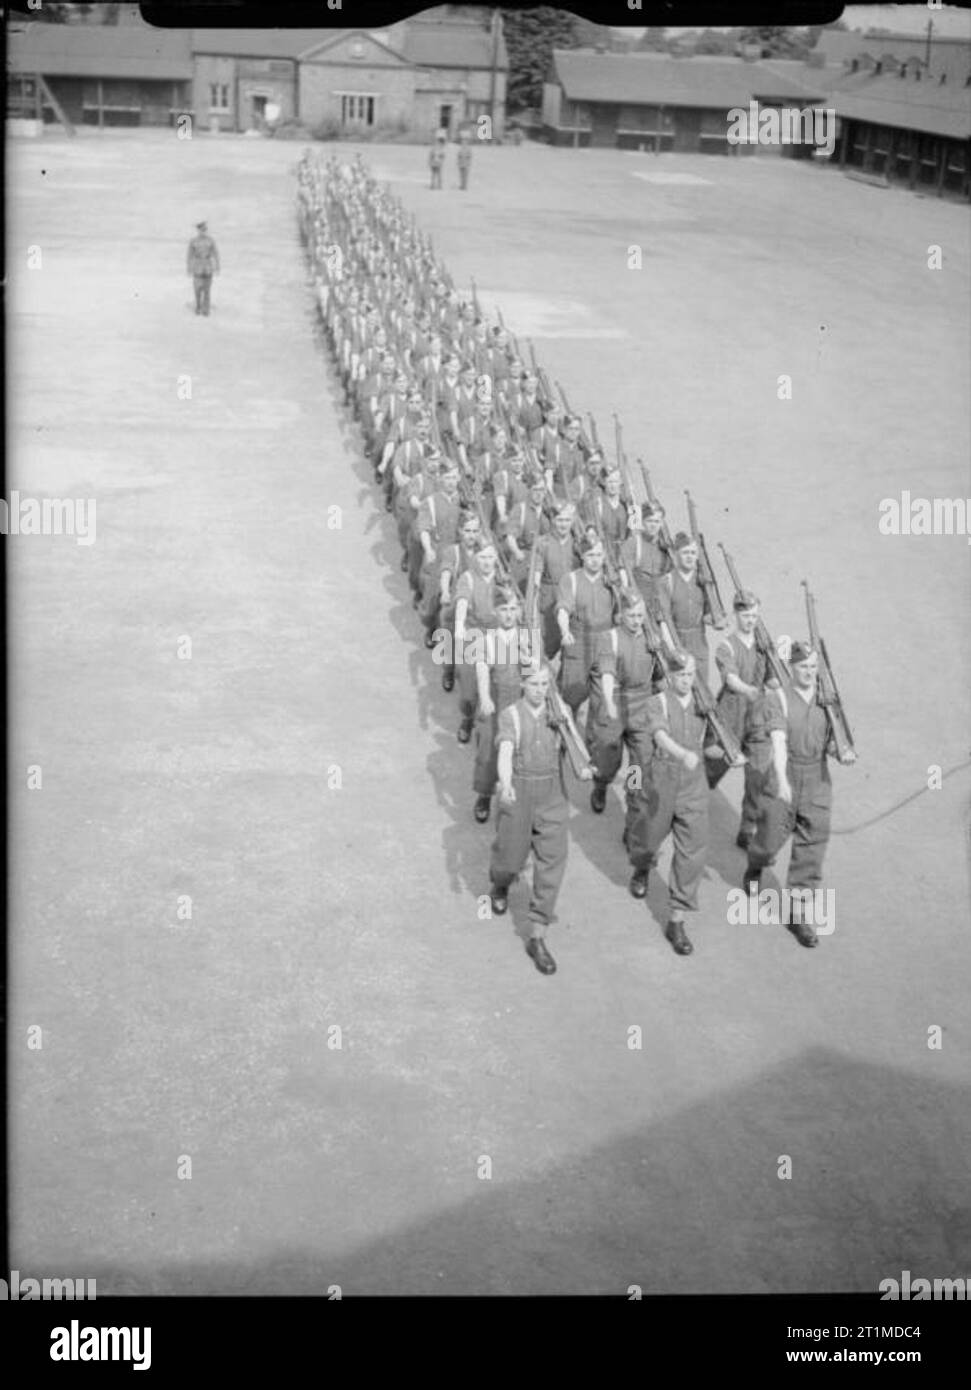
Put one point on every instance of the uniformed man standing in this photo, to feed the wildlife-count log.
(464, 161)
(533, 809)
(436, 158)
(798, 799)
(202, 265)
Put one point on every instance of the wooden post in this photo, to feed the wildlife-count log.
(943, 169)
(101, 105)
(866, 148)
(891, 166)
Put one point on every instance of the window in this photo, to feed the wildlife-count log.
(357, 109)
(219, 96)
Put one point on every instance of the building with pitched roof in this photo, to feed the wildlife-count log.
(441, 69)
(98, 75)
(658, 101)
(904, 107)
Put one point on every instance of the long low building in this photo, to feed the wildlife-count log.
(899, 117)
(99, 74)
(431, 72)
(660, 102)
(906, 124)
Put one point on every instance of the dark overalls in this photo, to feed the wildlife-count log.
(673, 802)
(537, 819)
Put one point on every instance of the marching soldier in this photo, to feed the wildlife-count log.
(475, 607)
(742, 667)
(453, 562)
(585, 609)
(799, 793)
(202, 264)
(533, 809)
(524, 522)
(673, 800)
(684, 602)
(498, 684)
(438, 524)
(643, 559)
(558, 555)
(625, 669)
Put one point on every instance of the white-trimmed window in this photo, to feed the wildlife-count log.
(357, 109)
(218, 96)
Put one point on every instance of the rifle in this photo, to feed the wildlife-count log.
(706, 574)
(541, 377)
(829, 695)
(475, 302)
(667, 542)
(775, 666)
(635, 496)
(593, 431)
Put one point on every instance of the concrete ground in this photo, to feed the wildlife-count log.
(298, 777)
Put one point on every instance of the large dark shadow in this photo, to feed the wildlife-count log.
(690, 1204)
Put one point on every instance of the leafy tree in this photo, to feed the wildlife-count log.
(775, 41)
(531, 36)
(711, 42)
(653, 40)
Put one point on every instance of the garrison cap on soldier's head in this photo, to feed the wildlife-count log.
(591, 542)
(201, 226)
(682, 539)
(801, 651)
(535, 480)
(652, 511)
(744, 599)
(529, 670)
(679, 661)
(505, 596)
(566, 509)
(449, 465)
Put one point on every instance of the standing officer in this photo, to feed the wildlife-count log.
(800, 802)
(436, 158)
(464, 160)
(533, 809)
(674, 799)
(202, 265)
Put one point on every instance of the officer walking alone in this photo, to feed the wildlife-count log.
(202, 265)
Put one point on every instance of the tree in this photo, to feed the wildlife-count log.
(775, 41)
(711, 42)
(531, 36)
(653, 39)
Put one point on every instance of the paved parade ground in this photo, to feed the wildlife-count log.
(228, 702)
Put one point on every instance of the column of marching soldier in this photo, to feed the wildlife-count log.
(546, 579)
